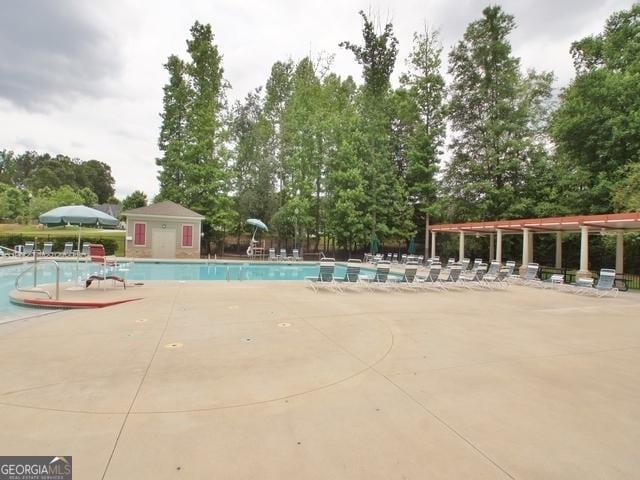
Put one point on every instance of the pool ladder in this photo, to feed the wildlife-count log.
(239, 277)
(35, 288)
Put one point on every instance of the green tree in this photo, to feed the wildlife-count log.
(136, 199)
(425, 114)
(13, 202)
(172, 141)
(194, 168)
(389, 212)
(498, 119)
(596, 127)
(626, 194)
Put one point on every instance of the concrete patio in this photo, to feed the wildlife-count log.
(268, 380)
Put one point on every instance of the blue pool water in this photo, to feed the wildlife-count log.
(156, 271)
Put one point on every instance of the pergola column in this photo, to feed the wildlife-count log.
(584, 251)
(558, 249)
(499, 245)
(433, 244)
(620, 252)
(461, 249)
(492, 246)
(525, 249)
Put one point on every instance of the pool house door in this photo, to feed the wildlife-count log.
(163, 243)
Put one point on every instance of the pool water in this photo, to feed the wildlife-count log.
(155, 271)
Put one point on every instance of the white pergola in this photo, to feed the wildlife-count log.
(610, 224)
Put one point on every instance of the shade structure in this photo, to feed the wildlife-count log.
(77, 215)
(257, 223)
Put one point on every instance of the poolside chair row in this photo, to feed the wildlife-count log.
(434, 276)
(583, 286)
(282, 256)
(29, 249)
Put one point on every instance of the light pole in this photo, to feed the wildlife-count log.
(295, 230)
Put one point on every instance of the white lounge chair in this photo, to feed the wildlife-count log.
(380, 276)
(325, 277)
(352, 275)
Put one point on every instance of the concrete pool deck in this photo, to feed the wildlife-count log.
(268, 380)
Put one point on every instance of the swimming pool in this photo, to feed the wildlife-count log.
(141, 271)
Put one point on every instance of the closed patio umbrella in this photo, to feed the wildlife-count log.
(412, 246)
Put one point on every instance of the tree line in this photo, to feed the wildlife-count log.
(32, 183)
(318, 156)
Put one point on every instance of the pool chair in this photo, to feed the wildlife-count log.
(106, 266)
(380, 276)
(510, 266)
(408, 279)
(28, 249)
(494, 267)
(465, 263)
(47, 249)
(68, 250)
(431, 278)
(496, 280)
(325, 277)
(448, 278)
(605, 284)
(283, 254)
(86, 248)
(296, 255)
(530, 275)
(352, 275)
(473, 278)
(272, 255)
(603, 287)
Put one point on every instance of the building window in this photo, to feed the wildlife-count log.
(187, 235)
(140, 234)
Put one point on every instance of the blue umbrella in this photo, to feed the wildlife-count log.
(256, 224)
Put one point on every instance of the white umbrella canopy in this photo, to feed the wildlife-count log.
(77, 215)
(257, 223)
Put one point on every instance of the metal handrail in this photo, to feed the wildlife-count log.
(35, 289)
(15, 253)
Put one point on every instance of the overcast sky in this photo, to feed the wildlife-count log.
(85, 78)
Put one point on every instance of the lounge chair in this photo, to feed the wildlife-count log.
(86, 247)
(283, 254)
(380, 276)
(68, 250)
(465, 263)
(352, 275)
(408, 279)
(497, 280)
(47, 249)
(449, 277)
(473, 277)
(325, 276)
(272, 255)
(431, 278)
(296, 255)
(106, 265)
(529, 277)
(494, 267)
(28, 249)
(603, 287)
